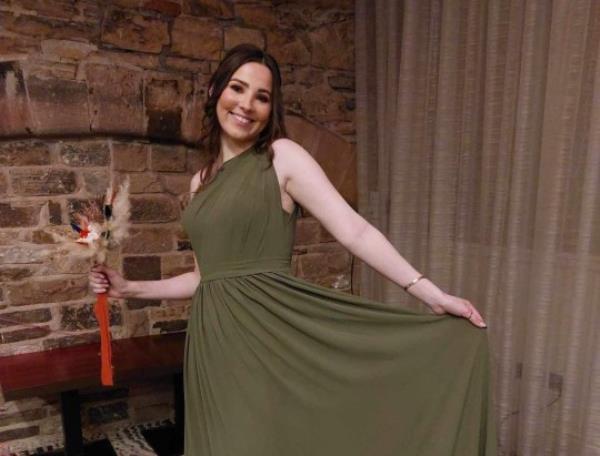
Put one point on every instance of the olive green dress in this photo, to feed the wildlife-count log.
(276, 366)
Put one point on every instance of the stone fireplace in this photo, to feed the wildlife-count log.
(95, 91)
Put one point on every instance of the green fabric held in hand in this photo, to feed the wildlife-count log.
(277, 366)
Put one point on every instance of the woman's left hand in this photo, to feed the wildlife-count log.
(460, 307)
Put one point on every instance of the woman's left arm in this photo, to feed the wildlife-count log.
(307, 184)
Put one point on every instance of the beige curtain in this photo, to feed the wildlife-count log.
(479, 156)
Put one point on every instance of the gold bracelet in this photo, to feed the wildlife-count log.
(415, 280)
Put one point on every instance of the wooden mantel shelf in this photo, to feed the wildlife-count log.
(78, 367)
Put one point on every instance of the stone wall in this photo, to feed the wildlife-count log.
(92, 91)
(139, 67)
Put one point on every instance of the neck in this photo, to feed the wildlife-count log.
(230, 149)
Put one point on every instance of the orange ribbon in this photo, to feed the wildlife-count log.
(102, 315)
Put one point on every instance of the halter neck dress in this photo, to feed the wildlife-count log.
(277, 366)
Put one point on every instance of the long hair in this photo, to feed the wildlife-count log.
(210, 139)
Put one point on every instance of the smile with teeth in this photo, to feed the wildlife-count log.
(241, 119)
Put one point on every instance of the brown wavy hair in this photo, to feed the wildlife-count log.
(210, 140)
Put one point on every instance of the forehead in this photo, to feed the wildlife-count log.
(256, 75)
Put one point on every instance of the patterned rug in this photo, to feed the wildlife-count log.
(130, 442)
(126, 441)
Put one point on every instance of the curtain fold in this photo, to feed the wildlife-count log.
(478, 128)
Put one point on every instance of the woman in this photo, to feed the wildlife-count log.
(277, 366)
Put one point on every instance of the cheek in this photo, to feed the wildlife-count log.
(228, 99)
(223, 107)
(265, 113)
(221, 114)
(224, 103)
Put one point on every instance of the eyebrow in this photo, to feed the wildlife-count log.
(245, 84)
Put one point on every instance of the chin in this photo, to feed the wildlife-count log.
(242, 137)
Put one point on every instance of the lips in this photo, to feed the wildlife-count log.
(240, 119)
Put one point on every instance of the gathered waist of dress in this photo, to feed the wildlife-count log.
(246, 267)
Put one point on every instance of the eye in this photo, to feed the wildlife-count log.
(263, 98)
(236, 87)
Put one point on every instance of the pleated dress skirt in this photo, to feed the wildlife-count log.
(277, 366)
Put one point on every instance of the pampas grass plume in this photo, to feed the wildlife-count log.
(121, 211)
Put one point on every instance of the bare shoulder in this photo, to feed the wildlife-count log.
(289, 156)
(287, 149)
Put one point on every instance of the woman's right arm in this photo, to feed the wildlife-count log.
(106, 280)
(182, 286)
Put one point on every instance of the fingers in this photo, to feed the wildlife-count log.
(473, 315)
(98, 289)
(98, 277)
(98, 282)
(100, 268)
(462, 308)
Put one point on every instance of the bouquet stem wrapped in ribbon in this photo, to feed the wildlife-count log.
(100, 230)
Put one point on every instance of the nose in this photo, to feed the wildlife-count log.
(245, 101)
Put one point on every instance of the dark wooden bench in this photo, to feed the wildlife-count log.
(66, 371)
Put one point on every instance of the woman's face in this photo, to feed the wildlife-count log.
(244, 107)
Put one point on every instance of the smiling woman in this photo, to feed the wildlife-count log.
(244, 108)
(275, 365)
